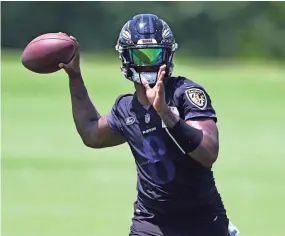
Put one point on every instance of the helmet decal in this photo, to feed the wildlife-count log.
(165, 31)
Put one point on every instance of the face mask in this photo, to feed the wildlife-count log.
(150, 77)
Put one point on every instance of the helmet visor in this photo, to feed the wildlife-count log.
(147, 56)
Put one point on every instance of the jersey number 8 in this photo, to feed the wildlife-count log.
(161, 169)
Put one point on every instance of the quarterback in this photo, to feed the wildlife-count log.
(169, 124)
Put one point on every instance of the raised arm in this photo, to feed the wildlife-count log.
(91, 126)
(199, 138)
(197, 134)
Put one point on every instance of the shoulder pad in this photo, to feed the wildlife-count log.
(121, 97)
(185, 82)
(179, 84)
(121, 102)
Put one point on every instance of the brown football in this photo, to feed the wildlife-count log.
(44, 53)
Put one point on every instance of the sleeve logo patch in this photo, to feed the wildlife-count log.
(197, 97)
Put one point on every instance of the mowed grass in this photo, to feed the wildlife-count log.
(53, 185)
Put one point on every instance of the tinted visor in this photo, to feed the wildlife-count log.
(148, 56)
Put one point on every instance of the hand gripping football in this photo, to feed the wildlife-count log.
(44, 53)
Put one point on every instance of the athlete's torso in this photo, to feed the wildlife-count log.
(169, 181)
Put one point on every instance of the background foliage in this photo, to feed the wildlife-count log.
(216, 29)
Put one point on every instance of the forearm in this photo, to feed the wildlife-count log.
(205, 147)
(168, 117)
(85, 114)
(207, 152)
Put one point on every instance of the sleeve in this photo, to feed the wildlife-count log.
(196, 103)
(113, 119)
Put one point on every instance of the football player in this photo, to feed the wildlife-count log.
(169, 124)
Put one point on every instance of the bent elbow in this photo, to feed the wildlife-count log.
(208, 157)
(211, 153)
(211, 159)
(92, 143)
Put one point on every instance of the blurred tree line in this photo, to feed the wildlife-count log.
(215, 29)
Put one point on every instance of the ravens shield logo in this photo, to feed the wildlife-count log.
(197, 97)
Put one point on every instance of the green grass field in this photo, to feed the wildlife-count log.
(55, 186)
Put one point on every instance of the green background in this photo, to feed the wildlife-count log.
(216, 29)
(52, 185)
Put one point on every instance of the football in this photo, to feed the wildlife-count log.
(44, 53)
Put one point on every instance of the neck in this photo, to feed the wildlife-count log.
(140, 91)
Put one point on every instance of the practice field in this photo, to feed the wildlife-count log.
(55, 186)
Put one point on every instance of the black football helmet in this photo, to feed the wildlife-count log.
(144, 44)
